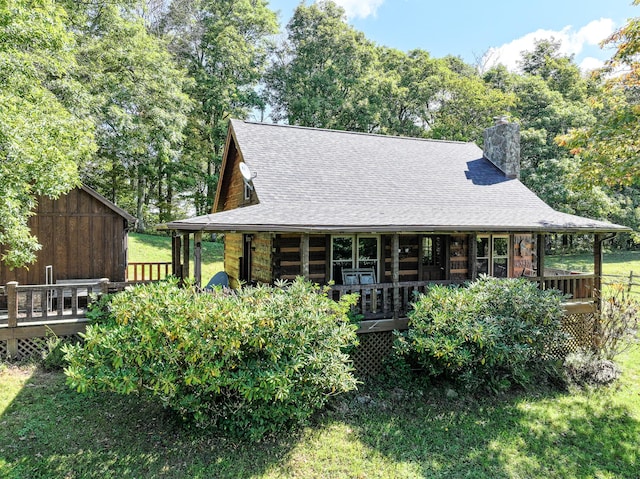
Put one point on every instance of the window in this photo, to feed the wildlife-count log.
(432, 250)
(493, 255)
(353, 251)
(247, 191)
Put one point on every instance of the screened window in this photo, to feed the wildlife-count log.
(493, 255)
(353, 252)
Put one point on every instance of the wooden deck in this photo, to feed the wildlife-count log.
(384, 306)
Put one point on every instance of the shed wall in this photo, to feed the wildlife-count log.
(80, 237)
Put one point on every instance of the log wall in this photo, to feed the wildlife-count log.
(232, 186)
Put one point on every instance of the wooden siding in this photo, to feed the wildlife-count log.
(261, 258)
(287, 261)
(80, 237)
(522, 260)
(232, 186)
(232, 255)
(409, 262)
(459, 257)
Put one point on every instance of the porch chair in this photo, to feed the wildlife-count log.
(219, 279)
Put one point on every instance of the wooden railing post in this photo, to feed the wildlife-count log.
(104, 285)
(12, 304)
(197, 258)
(395, 273)
(304, 255)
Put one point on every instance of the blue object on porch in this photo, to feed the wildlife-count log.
(219, 279)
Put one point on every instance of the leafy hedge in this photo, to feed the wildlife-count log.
(490, 334)
(250, 362)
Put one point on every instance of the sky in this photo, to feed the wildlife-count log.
(496, 30)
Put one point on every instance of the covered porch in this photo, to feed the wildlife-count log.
(387, 270)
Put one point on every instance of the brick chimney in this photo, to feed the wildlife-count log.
(502, 147)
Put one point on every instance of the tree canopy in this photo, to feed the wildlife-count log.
(133, 97)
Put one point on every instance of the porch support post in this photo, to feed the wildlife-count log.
(11, 289)
(597, 270)
(185, 257)
(395, 273)
(473, 256)
(304, 255)
(176, 248)
(540, 239)
(197, 258)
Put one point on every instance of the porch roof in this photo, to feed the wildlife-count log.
(314, 180)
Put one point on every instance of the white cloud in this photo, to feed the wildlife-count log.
(572, 42)
(360, 8)
(589, 64)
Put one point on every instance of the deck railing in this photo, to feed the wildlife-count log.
(384, 301)
(578, 287)
(148, 271)
(34, 311)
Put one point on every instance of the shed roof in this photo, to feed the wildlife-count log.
(112, 206)
(317, 180)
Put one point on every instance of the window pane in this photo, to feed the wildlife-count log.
(342, 248)
(368, 253)
(427, 251)
(500, 267)
(368, 248)
(483, 247)
(483, 266)
(500, 246)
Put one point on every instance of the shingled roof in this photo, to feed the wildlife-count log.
(315, 180)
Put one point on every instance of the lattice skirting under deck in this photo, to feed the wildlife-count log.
(31, 347)
(368, 358)
(580, 327)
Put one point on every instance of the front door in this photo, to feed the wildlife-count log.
(433, 257)
(245, 265)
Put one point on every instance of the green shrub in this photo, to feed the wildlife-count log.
(488, 334)
(249, 363)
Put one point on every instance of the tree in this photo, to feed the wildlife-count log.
(223, 46)
(610, 148)
(41, 139)
(139, 108)
(324, 74)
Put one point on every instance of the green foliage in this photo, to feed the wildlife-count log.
(223, 45)
(52, 358)
(139, 106)
(249, 363)
(324, 73)
(41, 139)
(488, 334)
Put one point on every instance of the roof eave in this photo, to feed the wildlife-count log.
(278, 228)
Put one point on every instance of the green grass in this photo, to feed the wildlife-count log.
(614, 263)
(389, 431)
(145, 248)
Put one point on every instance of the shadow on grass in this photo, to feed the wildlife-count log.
(554, 435)
(50, 431)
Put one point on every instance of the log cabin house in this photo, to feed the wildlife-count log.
(380, 215)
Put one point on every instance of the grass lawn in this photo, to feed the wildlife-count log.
(48, 430)
(153, 248)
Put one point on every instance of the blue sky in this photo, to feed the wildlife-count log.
(472, 28)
